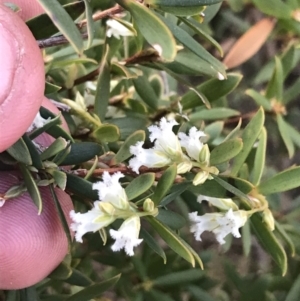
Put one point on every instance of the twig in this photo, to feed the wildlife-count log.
(103, 14)
(60, 40)
(56, 41)
(125, 170)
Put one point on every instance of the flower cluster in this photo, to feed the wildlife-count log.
(186, 151)
(113, 205)
(220, 223)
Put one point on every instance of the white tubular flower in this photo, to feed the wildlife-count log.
(117, 29)
(191, 142)
(223, 204)
(38, 122)
(165, 140)
(148, 157)
(218, 223)
(111, 191)
(91, 221)
(127, 236)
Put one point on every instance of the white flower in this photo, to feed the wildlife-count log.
(127, 236)
(147, 157)
(38, 122)
(219, 223)
(221, 203)
(191, 142)
(165, 140)
(91, 221)
(111, 191)
(117, 29)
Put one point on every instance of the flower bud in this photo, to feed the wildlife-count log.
(200, 178)
(107, 208)
(268, 218)
(221, 203)
(148, 205)
(184, 167)
(204, 155)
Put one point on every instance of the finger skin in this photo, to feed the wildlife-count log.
(22, 79)
(28, 8)
(31, 245)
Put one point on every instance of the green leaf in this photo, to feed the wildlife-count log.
(106, 133)
(213, 89)
(62, 272)
(103, 87)
(152, 28)
(42, 26)
(35, 156)
(294, 292)
(178, 278)
(213, 114)
(58, 145)
(128, 125)
(214, 130)
(124, 72)
(286, 238)
(199, 293)
(274, 8)
(186, 3)
(94, 290)
(267, 239)
(124, 151)
(188, 63)
(292, 92)
(139, 185)
(285, 134)
(172, 239)
(51, 88)
(260, 158)
(79, 279)
(59, 177)
(81, 187)
(90, 23)
(283, 181)
(196, 26)
(175, 191)
(32, 188)
(145, 91)
(249, 136)
(260, 99)
(246, 238)
(62, 217)
(64, 23)
(182, 81)
(20, 152)
(294, 134)
(58, 132)
(154, 294)
(233, 189)
(182, 10)
(183, 37)
(225, 151)
(172, 219)
(234, 133)
(153, 244)
(275, 86)
(81, 152)
(164, 184)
